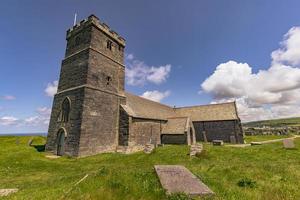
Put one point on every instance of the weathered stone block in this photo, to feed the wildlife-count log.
(178, 179)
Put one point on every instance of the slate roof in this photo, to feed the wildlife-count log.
(211, 112)
(140, 107)
(176, 125)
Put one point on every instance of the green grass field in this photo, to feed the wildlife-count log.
(260, 138)
(275, 122)
(267, 172)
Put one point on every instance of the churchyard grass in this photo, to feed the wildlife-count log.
(260, 138)
(267, 172)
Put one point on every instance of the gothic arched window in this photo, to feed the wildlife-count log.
(65, 110)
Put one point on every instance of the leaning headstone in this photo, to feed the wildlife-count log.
(204, 136)
(218, 142)
(52, 156)
(30, 142)
(178, 179)
(196, 148)
(6, 192)
(232, 139)
(255, 143)
(17, 141)
(288, 143)
(149, 148)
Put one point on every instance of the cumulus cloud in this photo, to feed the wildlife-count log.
(40, 119)
(156, 95)
(139, 73)
(267, 94)
(51, 88)
(289, 52)
(8, 120)
(44, 111)
(8, 97)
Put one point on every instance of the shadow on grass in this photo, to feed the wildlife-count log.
(39, 148)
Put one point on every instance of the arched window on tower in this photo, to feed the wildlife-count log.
(65, 110)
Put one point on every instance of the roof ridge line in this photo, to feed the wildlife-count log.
(149, 100)
(205, 105)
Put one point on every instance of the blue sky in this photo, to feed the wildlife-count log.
(192, 37)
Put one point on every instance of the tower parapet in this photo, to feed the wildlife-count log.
(93, 20)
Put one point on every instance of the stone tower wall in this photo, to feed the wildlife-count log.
(92, 77)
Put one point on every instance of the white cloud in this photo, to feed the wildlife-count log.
(8, 120)
(7, 97)
(129, 57)
(267, 94)
(156, 95)
(41, 119)
(138, 73)
(44, 111)
(289, 52)
(51, 88)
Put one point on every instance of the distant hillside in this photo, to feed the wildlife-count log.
(275, 122)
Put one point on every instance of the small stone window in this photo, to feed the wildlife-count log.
(65, 110)
(108, 80)
(77, 41)
(109, 44)
(120, 48)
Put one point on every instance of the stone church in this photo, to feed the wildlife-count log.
(92, 113)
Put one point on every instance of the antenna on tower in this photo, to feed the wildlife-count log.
(75, 19)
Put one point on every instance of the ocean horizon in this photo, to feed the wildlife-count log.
(23, 134)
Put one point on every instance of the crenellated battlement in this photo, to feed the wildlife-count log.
(93, 20)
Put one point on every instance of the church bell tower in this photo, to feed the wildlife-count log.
(85, 112)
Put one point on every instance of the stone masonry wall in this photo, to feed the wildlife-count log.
(100, 125)
(123, 128)
(141, 130)
(72, 127)
(218, 130)
(74, 71)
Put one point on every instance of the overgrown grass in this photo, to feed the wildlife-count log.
(267, 172)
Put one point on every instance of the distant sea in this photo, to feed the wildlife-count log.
(23, 134)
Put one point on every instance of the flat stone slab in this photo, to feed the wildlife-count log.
(218, 142)
(178, 179)
(256, 143)
(6, 192)
(52, 156)
(288, 143)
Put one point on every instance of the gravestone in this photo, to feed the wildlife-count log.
(178, 179)
(196, 148)
(288, 143)
(149, 148)
(30, 141)
(232, 139)
(218, 142)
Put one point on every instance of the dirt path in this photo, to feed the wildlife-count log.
(263, 142)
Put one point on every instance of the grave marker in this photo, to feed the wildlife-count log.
(178, 179)
(288, 143)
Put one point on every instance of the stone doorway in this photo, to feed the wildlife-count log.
(61, 142)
